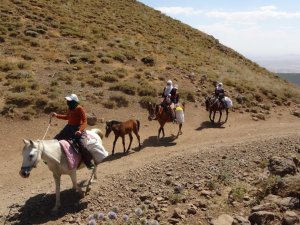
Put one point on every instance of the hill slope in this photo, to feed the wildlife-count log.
(99, 48)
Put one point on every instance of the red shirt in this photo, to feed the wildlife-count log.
(75, 117)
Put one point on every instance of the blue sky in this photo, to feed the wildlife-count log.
(255, 28)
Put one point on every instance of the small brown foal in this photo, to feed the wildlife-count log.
(120, 129)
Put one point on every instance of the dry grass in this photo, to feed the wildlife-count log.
(122, 41)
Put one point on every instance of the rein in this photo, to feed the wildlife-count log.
(50, 120)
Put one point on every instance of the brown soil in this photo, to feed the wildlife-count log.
(197, 132)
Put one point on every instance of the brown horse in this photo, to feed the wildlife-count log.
(213, 105)
(120, 129)
(156, 112)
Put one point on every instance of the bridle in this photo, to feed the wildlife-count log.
(39, 154)
(152, 112)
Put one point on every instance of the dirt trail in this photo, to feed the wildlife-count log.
(197, 133)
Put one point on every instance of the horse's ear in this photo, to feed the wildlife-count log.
(31, 142)
(25, 141)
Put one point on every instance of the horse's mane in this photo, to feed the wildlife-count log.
(113, 122)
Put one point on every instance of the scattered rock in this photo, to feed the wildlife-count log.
(282, 166)
(262, 217)
(223, 219)
(290, 218)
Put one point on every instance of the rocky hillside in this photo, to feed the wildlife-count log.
(115, 53)
(252, 183)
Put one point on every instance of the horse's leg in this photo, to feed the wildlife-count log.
(159, 130)
(123, 142)
(213, 120)
(114, 144)
(130, 136)
(73, 176)
(95, 173)
(220, 111)
(138, 137)
(179, 130)
(57, 192)
(226, 115)
(210, 111)
(91, 179)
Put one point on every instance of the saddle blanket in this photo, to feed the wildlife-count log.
(73, 158)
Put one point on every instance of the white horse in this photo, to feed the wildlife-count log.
(53, 155)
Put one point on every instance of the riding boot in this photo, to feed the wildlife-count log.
(86, 155)
(173, 116)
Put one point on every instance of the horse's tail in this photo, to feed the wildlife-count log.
(99, 132)
(138, 125)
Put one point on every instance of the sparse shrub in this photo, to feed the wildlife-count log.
(126, 88)
(95, 82)
(109, 78)
(7, 66)
(119, 57)
(23, 74)
(121, 72)
(105, 60)
(120, 100)
(147, 91)
(145, 100)
(41, 102)
(175, 198)
(109, 104)
(237, 193)
(148, 61)
(55, 106)
(187, 95)
(19, 99)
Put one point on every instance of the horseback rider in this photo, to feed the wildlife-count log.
(220, 94)
(167, 90)
(174, 100)
(167, 102)
(75, 129)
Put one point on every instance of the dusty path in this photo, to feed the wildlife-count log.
(197, 133)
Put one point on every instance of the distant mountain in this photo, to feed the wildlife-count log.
(280, 64)
(291, 77)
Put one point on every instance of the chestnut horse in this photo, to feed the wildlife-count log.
(213, 105)
(120, 129)
(156, 112)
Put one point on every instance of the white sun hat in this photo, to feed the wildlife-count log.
(72, 97)
(169, 82)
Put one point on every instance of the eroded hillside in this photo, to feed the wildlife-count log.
(115, 53)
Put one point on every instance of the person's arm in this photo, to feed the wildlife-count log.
(61, 116)
(163, 93)
(83, 119)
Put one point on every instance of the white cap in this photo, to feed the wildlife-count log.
(220, 84)
(169, 82)
(72, 97)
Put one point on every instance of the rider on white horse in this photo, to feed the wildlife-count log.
(75, 129)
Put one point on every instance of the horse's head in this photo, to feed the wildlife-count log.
(31, 156)
(151, 111)
(108, 128)
(207, 103)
